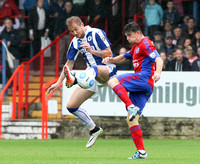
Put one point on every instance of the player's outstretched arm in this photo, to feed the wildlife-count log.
(159, 66)
(117, 59)
(55, 86)
(101, 53)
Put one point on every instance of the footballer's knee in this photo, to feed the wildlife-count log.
(113, 82)
(71, 105)
(72, 110)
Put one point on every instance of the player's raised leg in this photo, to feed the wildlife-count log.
(121, 91)
(78, 97)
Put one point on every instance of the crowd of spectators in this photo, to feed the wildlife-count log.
(170, 26)
(176, 37)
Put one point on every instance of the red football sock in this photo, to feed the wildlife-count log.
(136, 134)
(122, 94)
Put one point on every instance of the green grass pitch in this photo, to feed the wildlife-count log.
(105, 151)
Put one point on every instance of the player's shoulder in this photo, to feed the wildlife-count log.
(96, 31)
(146, 43)
(74, 43)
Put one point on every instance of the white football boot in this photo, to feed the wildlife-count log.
(93, 138)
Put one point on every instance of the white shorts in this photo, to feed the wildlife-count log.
(112, 70)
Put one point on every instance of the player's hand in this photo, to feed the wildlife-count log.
(156, 77)
(53, 87)
(86, 46)
(107, 60)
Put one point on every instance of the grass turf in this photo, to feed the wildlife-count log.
(105, 151)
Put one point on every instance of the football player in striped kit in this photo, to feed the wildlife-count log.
(93, 44)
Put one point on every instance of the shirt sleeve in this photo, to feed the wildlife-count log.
(150, 51)
(72, 52)
(101, 40)
(128, 55)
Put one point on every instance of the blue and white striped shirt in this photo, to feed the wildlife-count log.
(97, 40)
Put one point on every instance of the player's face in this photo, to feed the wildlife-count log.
(77, 30)
(132, 37)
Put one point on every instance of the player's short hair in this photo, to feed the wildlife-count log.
(132, 27)
(73, 19)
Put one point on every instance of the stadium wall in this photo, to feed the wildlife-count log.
(152, 127)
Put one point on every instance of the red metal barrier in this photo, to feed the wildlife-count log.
(13, 79)
(45, 107)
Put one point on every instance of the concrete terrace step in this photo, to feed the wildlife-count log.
(27, 129)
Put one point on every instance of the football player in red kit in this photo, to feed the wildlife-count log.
(139, 84)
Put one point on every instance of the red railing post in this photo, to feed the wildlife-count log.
(43, 107)
(46, 119)
(20, 90)
(41, 72)
(14, 98)
(57, 55)
(26, 89)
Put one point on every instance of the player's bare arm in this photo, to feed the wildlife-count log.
(55, 86)
(117, 59)
(102, 53)
(159, 65)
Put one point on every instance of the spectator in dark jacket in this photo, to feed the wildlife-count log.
(180, 63)
(54, 10)
(196, 63)
(190, 31)
(171, 14)
(158, 41)
(178, 39)
(96, 9)
(167, 30)
(60, 27)
(169, 47)
(38, 25)
(13, 39)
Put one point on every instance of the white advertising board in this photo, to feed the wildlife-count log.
(177, 94)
